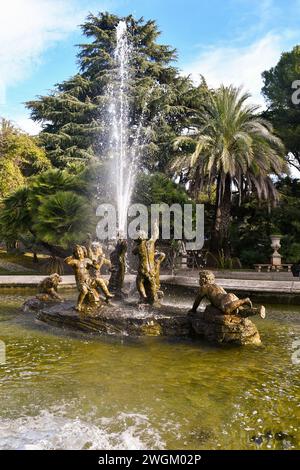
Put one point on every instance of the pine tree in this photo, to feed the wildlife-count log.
(282, 111)
(73, 117)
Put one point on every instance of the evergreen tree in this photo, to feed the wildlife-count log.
(282, 111)
(73, 115)
(20, 157)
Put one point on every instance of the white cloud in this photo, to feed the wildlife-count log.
(27, 29)
(241, 66)
(26, 124)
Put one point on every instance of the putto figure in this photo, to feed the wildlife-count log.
(227, 303)
(81, 265)
(159, 257)
(95, 253)
(48, 288)
(146, 280)
(118, 268)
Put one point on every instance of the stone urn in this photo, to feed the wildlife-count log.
(275, 244)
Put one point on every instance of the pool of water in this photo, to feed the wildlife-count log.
(66, 391)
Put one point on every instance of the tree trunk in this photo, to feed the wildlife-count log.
(53, 250)
(12, 246)
(220, 232)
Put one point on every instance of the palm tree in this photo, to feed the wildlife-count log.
(63, 219)
(233, 148)
(15, 217)
(53, 212)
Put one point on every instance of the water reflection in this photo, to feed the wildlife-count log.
(62, 391)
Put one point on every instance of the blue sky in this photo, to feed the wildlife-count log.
(226, 41)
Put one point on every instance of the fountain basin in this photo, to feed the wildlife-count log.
(194, 392)
(125, 319)
(119, 319)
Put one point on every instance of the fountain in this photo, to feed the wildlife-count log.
(123, 144)
(224, 321)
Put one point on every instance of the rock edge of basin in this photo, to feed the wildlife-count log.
(125, 319)
(120, 319)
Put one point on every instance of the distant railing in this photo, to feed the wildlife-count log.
(269, 267)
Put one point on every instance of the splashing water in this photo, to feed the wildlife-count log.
(53, 430)
(123, 144)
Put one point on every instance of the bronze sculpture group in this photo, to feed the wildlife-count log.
(87, 263)
(224, 320)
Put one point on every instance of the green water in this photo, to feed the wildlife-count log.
(62, 391)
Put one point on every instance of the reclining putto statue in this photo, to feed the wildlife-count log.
(227, 303)
(225, 319)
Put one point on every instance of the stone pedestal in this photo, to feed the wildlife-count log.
(216, 327)
(276, 257)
